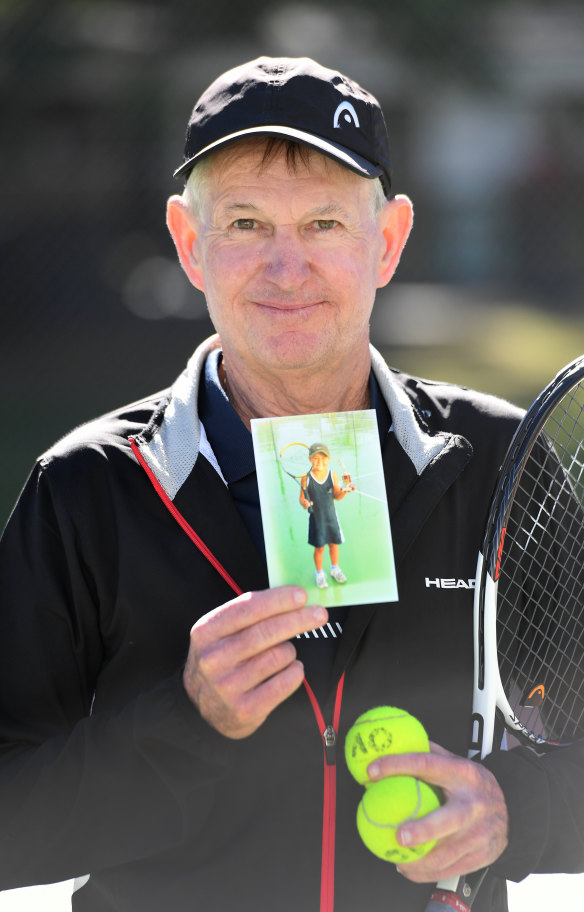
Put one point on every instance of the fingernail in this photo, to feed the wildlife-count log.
(373, 770)
(300, 596)
(320, 614)
(404, 837)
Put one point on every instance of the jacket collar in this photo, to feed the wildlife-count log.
(174, 439)
(420, 446)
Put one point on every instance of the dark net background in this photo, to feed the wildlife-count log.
(485, 106)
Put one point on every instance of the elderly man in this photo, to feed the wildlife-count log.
(168, 773)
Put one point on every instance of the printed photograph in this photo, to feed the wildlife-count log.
(324, 506)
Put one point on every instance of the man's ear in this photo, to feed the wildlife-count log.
(396, 220)
(184, 230)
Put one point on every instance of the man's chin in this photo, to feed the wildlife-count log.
(295, 351)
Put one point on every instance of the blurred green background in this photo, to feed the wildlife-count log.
(485, 105)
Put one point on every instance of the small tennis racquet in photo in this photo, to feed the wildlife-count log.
(529, 594)
(295, 463)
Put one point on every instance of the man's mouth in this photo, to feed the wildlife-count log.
(293, 308)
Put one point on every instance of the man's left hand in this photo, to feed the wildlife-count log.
(471, 826)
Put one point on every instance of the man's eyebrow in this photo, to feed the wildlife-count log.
(232, 207)
(329, 209)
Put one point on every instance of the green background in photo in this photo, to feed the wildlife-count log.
(366, 556)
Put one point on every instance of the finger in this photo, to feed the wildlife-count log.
(248, 609)
(461, 851)
(241, 715)
(260, 637)
(256, 705)
(234, 701)
(438, 749)
(431, 869)
(436, 769)
(248, 675)
(444, 862)
(445, 821)
(472, 828)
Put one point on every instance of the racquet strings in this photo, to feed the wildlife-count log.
(540, 599)
(294, 459)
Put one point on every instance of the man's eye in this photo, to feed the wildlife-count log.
(326, 224)
(244, 224)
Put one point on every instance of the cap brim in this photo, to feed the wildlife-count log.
(339, 153)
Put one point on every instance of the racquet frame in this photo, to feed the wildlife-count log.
(488, 692)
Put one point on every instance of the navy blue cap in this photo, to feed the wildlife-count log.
(297, 99)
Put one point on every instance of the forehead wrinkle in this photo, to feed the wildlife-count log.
(329, 209)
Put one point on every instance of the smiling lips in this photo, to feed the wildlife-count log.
(297, 308)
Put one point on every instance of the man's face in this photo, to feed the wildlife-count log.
(289, 260)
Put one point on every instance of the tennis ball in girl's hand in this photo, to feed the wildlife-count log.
(386, 805)
(381, 731)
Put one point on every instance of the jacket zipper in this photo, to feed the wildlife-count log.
(329, 735)
(328, 732)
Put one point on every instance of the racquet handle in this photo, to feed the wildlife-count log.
(446, 901)
(456, 894)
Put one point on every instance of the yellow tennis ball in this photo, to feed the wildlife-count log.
(381, 731)
(385, 805)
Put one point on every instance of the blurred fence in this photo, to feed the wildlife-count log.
(484, 103)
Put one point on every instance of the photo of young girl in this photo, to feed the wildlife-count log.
(315, 509)
(322, 490)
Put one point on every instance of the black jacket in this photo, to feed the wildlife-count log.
(106, 767)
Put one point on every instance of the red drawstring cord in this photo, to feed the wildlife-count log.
(327, 880)
(182, 521)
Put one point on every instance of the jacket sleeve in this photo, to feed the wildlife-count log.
(545, 801)
(80, 791)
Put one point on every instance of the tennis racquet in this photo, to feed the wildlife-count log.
(529, 594)
(295, 463)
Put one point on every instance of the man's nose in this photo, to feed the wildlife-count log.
(288, 263)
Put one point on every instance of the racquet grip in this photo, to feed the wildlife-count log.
(446, 901)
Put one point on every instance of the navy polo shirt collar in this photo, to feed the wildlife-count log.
(229, 438)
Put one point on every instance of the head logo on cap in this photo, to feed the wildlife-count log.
(349, 114)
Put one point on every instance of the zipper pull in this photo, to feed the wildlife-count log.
(329, 737)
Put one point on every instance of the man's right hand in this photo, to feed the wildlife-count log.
(241, 664)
